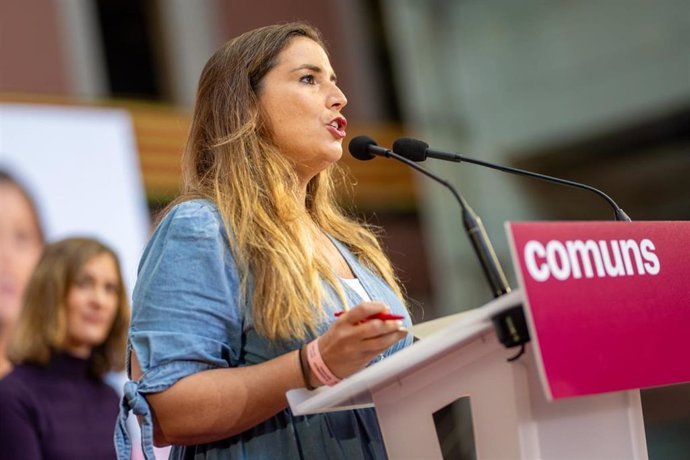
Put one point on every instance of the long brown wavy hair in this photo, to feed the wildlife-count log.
(41, 330)
(231, 160)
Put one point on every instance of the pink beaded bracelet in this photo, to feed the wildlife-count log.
(321, 371)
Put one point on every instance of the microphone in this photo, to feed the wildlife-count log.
(510, 325)
(416, 150)
(365, 148)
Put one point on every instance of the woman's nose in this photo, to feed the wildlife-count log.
(99, 297)
(338, 98)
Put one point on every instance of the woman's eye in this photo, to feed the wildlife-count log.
(309, 79)
(82, 282)
(23, 238)
(111, 289)
(85, 281)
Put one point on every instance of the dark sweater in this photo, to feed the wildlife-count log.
(56, 412)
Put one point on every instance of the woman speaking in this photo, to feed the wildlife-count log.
(239, 287)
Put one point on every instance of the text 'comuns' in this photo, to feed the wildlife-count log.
(588, 259)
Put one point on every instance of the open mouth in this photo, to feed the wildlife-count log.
(338, 124)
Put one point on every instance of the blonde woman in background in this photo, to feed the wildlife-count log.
(238, 289)
(71, 331)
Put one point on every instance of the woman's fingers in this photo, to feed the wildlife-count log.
(362, 311)
(356, 338)
(361, 322)
(347, 357)
(382, 342)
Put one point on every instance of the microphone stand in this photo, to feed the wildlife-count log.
(510, 325)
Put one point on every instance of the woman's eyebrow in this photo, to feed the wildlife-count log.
(314, 68)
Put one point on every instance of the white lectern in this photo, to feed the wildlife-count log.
(511, 417)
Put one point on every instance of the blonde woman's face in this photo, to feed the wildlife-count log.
(20, 249)
(91, 305)
(302, 103)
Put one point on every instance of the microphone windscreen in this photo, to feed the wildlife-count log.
(359, 147)
(412, 149)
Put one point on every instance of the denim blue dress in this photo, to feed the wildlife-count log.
(187, 318)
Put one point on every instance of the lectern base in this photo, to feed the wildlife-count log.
(512, 418)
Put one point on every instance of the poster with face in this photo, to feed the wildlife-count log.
(81, 167)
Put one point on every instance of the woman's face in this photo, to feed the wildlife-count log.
(20, 249)
(91, 305)
(302, 103)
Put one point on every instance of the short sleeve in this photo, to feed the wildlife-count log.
(186, 316)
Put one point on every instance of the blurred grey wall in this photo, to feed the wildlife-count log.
(512, 82)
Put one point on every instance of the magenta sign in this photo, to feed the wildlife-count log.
(608, 303)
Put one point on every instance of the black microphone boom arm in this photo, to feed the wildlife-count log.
(416, 150)
(619, 213)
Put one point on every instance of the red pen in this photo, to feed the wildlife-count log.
(381, 316)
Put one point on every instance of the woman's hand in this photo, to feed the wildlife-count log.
(353, 341)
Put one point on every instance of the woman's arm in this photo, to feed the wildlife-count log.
(214, 404)
(218, 403)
